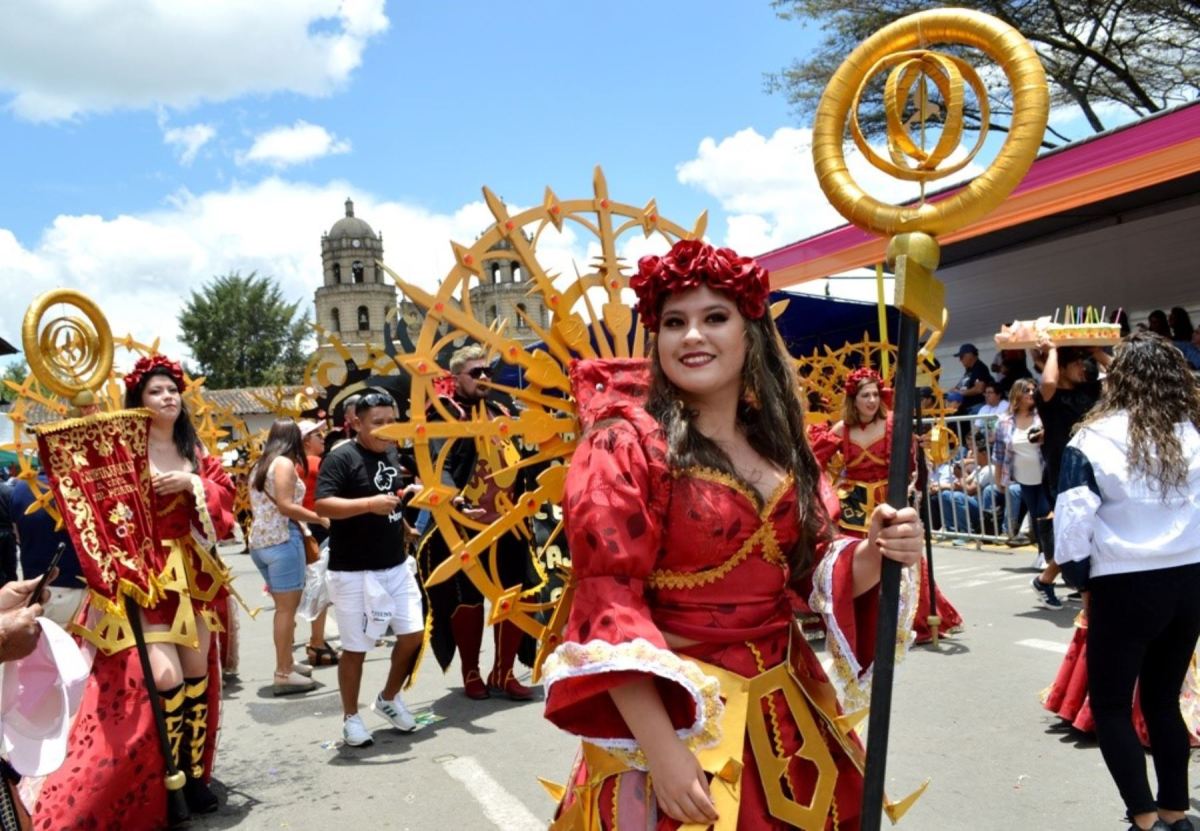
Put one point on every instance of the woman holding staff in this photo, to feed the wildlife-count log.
(114, 738)
(695, 523)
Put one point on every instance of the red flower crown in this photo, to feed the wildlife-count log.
(691, 263)
(148, 364)
(861, 377)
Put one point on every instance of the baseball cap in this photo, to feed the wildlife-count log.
(308, 426)
(965, 348)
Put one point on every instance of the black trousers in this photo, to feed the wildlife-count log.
(1142, 627)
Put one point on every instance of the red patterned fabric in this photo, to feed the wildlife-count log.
(694, 554)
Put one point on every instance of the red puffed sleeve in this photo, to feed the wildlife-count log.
(218, 495)
(850, 621)
(824, 442)
(613, 510)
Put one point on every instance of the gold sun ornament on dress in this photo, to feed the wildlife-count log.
(588, 316)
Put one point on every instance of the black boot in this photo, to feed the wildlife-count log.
(173, 706)
(200, 799)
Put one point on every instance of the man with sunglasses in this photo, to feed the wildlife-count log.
(479, 469)
(362, 487)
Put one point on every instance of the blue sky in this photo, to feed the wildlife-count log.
(152, 145)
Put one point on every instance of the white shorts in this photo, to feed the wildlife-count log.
(346, 592)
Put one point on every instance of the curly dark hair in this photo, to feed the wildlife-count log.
(1149, 379)
(773, 425)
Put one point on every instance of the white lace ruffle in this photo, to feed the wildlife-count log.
(849, 677)
(574, 660)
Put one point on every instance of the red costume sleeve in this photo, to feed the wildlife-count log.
(850, 621)
(614, 532)
(218, 495)
(825, 443)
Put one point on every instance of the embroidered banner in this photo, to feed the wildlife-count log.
(100, 474)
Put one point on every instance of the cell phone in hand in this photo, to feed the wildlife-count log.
(41, 584)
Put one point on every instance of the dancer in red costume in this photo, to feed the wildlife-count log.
(1067, 697)
(855, 451)
(113, 776)
(695, 524)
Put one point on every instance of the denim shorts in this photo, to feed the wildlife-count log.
(282, 565)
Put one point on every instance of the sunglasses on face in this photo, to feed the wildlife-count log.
(375, 399)
(480, 372)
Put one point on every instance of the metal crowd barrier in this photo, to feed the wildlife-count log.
(957, 508)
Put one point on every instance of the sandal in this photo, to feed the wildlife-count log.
(322, 656)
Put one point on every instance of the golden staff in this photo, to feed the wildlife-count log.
(901, 50)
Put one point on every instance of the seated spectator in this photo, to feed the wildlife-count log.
(968, 392)
(993, 408)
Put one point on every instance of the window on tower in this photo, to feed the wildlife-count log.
(336, 318)
(521, 319)
(357, 268)
(337, 273)
(364, 319)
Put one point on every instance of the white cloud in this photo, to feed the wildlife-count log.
(769, 189)
(284, 146)
(188, 140)
(60, 59)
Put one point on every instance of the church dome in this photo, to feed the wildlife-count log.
(350, 225)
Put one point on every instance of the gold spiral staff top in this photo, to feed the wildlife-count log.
(902, 48)
(70, 355)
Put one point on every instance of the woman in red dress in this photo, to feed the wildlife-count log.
(113, 777)
(695, 527)
(856, 451)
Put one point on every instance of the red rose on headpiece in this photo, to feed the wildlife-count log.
(690, 263)
(151, 362)
(861, 377)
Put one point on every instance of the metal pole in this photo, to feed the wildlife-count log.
(879, 720)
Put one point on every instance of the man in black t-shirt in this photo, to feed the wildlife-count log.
(372, 581)
(976, 376)
(1064, 398)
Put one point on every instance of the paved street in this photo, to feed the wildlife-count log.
(967, 716)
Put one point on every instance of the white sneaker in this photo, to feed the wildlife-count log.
(395, 712)
(355, 733)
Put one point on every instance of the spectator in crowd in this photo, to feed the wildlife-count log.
(993, 408)
(277, 542)
(1014, 367)
(372, 580)
(1064, 398)
(969, 390)
(39, 539)
(312, 435)
(1128, 533)
(8, 537)
(1157, 323)
(1181, 324)
(1017, 454)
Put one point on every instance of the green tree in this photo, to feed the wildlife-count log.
(1139, 55)
(242, 332)
(16, 371)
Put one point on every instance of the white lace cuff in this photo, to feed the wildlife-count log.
(849, 677)
(574, 660)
